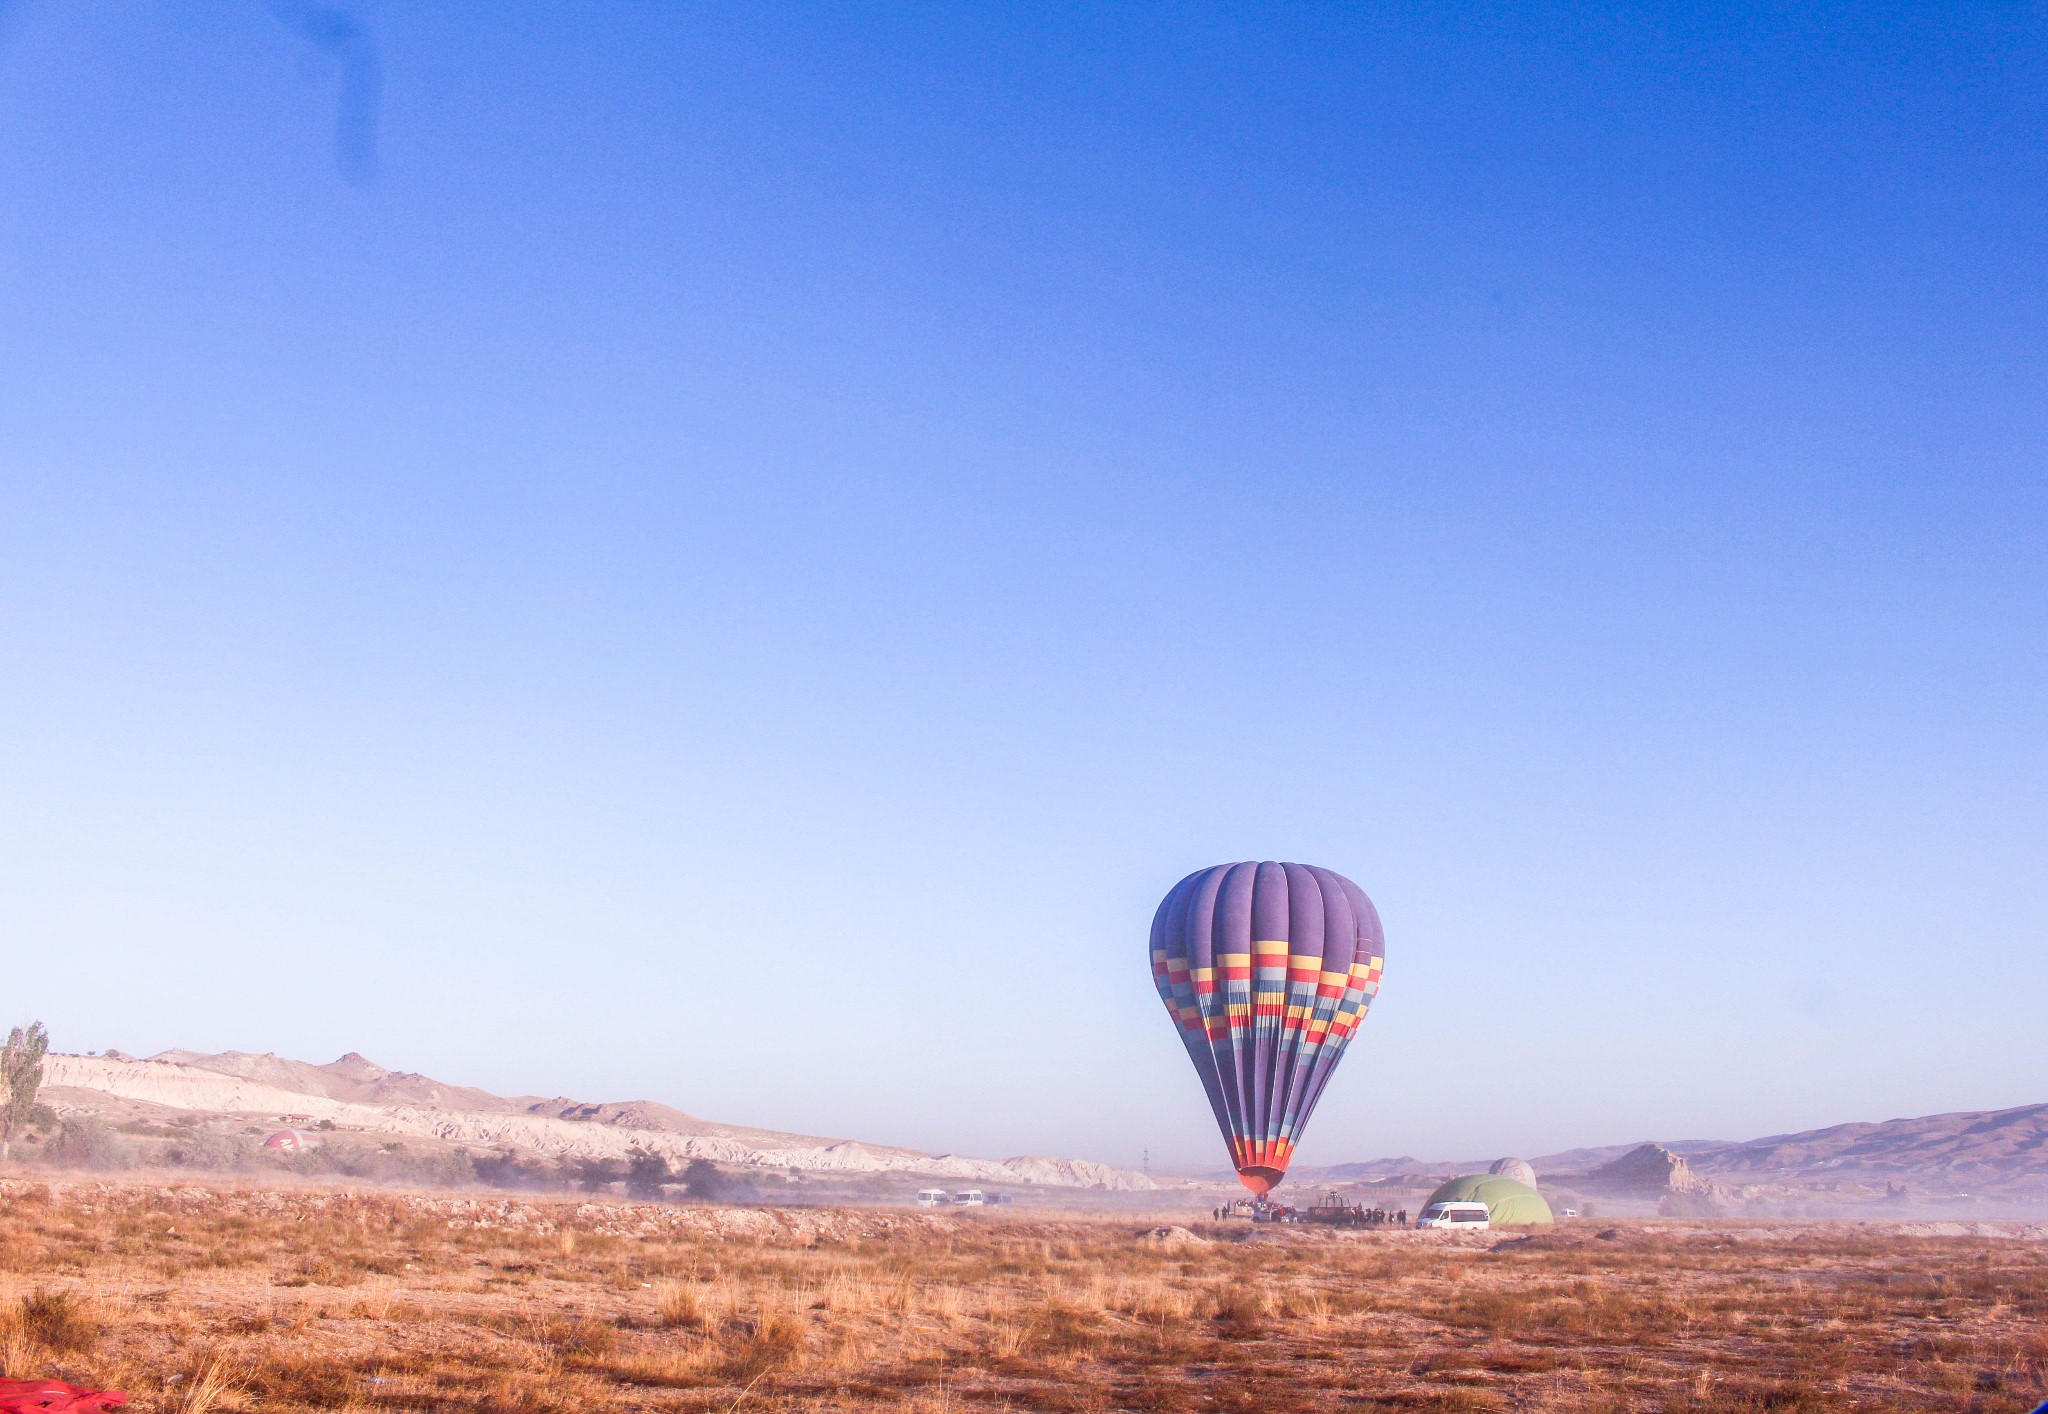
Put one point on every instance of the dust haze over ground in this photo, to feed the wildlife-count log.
(363, 1120)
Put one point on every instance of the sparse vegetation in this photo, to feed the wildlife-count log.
(87, 1142)
(61, 1320)
(645, 1174)
(703, 1181)
(241, 1299)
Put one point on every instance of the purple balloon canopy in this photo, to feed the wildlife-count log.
(1267, 969)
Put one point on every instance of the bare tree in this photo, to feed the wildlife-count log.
(21, 1075)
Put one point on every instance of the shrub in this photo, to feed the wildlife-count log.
(1240, 1315)
(204, 1149)
(646, 1173)
(679, 1304)
(85, 1142)
(392, 1163)
(594, 1175)
(506, 1169)
(754, 1347)
(703, 1181)
(59, 1321)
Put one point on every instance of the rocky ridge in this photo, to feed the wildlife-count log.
(356, 1094)
(2000, 1153)
(1646, 1171)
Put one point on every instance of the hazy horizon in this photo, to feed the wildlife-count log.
(1217, 1167)
(733, 557)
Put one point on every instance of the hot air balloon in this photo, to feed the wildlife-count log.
(1520, 1170)
(1267, 969)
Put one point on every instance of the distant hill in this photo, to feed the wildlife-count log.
(356, 1094)
(1584, 1160)
(1999, 1144)
(1994, 1148)
(354, 1078)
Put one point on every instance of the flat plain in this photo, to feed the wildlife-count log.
(196, 1299)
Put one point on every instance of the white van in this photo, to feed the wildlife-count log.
(969, 1198)
(1467, 1217)
(934, 1198)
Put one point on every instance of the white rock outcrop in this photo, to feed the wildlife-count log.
(180, 1085)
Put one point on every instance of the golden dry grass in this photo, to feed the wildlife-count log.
(222, 1301)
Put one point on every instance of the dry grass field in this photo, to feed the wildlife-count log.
(198, 1300)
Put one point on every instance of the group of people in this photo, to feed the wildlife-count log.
(1329, 1211)
(1356, 1215)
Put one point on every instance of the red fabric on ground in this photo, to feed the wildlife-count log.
(55, 1397)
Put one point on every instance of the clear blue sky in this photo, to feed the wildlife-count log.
(731, 555)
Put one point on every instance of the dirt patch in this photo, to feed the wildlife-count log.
(1171, 1236)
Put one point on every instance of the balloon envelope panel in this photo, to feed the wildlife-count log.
(1520, 1170)
(1267, 970)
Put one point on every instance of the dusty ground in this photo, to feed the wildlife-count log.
(198, 1299)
